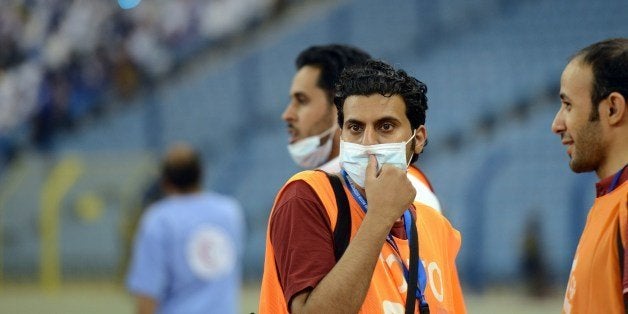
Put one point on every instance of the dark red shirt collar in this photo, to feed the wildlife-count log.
(603, 187)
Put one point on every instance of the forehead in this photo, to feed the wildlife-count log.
(576, 80)
(306, 78)
(374, 107)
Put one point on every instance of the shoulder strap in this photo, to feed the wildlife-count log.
(342, 232)
(413, 238)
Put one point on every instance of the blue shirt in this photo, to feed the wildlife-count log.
(187, 254)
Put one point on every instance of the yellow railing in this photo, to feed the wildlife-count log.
(52, 183)
(62, 177)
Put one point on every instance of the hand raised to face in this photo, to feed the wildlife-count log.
(388, 191)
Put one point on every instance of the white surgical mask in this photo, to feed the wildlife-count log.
(309, 153)
(355, 157)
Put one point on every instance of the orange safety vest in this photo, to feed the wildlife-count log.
(417, 173)
(595, 281)
(439, 244)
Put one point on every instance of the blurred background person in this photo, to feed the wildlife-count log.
(311, 116)
(533, 261)
(188, 248)
(592, 123)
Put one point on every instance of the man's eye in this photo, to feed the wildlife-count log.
(387, 126)
(354, 128)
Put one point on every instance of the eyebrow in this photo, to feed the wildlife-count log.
(354, 121)
(380, 120)
(563, 96)
(387, 119)
(297, 94)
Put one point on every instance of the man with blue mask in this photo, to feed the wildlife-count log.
(311, 115)
(381, 117)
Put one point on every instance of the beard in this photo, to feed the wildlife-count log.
(588, 152)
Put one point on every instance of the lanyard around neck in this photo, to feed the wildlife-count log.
(407, 217)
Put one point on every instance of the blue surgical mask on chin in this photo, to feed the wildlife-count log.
(355, 157)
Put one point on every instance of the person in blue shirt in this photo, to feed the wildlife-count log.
(187, 252)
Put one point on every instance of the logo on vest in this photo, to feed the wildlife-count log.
(434, 276)
(210, 252)
(393, 307)
(571, 287)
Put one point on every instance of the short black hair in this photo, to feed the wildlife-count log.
(182, 169)
(609, 63)
(331, 60)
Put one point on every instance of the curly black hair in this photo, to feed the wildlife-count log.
(378, 77)
(331, 60)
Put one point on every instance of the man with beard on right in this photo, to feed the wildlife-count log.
(593, 123)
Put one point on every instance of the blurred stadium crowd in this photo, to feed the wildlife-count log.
(55, 71)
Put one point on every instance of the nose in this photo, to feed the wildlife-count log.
(558, 125)
(289, 114)
(369, 137)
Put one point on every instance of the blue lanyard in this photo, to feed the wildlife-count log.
(616, 179)
(407, 216)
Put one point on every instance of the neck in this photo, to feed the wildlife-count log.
(610, 169)
(617, 158)
(179, 191)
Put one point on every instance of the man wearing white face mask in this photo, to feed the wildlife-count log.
(355, 157)
(311, 114)
(381, 114)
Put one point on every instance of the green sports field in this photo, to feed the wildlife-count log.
(101, 298)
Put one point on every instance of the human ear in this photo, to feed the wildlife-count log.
(616, 108)
(420, 138)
